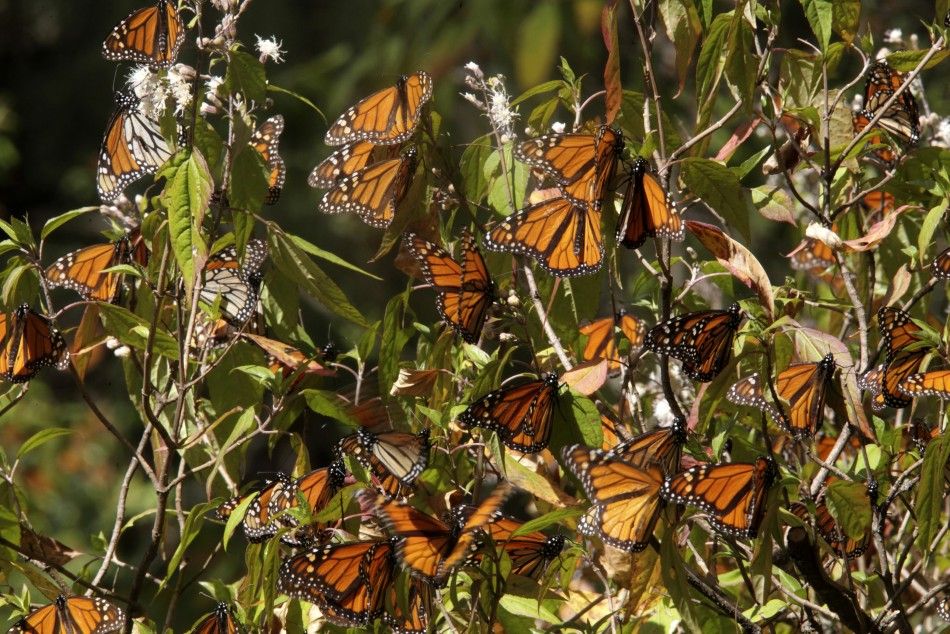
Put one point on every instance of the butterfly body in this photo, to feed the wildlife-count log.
(221, 621)
(395, 459)
(647, 211)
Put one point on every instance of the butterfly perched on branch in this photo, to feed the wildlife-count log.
(151, 35)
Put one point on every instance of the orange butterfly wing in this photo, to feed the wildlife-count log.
(386, 117)
(28, 344)
(701, 340)
(521, 415)
(221, 621)
(564, 237)
(732, 495)
(265, 142)
(75, 615)
(803, 385)
(151, 36)
(647, 211)
(374, 192)
(345, 161)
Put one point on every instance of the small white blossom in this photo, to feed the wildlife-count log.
(882, 54)
(914, 42)
(500, 113)
(558, 127)
(474, 69)
(662, 412)
(122, 352)
(942, 135)
(472, 99)
(857, 103)
(180, 88)
(112, 343)
(823, 234)
(270, 49)
(893, 36)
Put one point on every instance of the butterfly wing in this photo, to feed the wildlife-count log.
(395, 459)
(413, 618)
(750, 392)
(30, 344)
(702, 340)
(265, 141)
(812, 255)
(221, 621)
(72, 615)
(804, 386)
(901, 119)
(562, 236)
(151, 36)
(347, 160)
(84, 271)
(662, 447)
(625, 501)
(647, 211)
(423, 541)
(464, 291)
(374, 192)
(941, 265)
(601, 343)
(529, 552)
(386, 117)
(732, 495)
(132, 147)
(932, 383)
(521, 415)
(233, 287)
(485, 514)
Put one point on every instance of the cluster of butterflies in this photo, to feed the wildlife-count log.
(133, 145)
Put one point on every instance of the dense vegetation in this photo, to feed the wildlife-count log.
(569, 385)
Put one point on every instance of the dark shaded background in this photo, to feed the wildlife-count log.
(56, 95)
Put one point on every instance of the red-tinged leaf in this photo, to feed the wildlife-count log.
(738, 260)
(739, 135)
(614, 91)
(899, 284)
(586, 378)
(876, 234)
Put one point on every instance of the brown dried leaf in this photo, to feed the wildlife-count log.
(738, 260)
(411, 382)
(614, 90)
(876, 234)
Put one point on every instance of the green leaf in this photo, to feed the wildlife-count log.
(196, 518)
(845, 18)
(548, 86)
(298, 97)
(392, 340)
(245, 74)
(474, 179)
(930, 491)
(312, 249)
(548, 519)
(235, 519)
(820, 17)
(906, 61)
(719, 188)
(186, 197)
(132, 330)
(57, 221)
(209, 143)
(40, 438)
(330, 405)
(295, 264)
(683, 28)
(529, 607)
(709, 64)
(742, 65)
(849, 504)
(248, 185)
(927, 229)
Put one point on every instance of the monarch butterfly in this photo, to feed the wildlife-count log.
(235, 284)
(395, 459)
(941, 265)
(877, 202)
(86, 270)
(601, 343)
(414, 619)
(625, 500)
(647, 210)
(859, 121)
(581, 164)
(921, 434)
(348, 581)
(902, 359)
(221, 621)
(901, 119)
(812, 255)
(529, 552)
(826, 526)
(265, 516)
(386, 117)
(931, 383)
(465, 290)
(701, 340)
(28, 343)
(803, 385)
(374, 192)
(348, 160)
(564, 237)
(151, 36)
(265, 141)
(72, 615)
(431, 548)
(661, 446)
(521, 415)
(732, 495)
(132, 147)
(286, 360)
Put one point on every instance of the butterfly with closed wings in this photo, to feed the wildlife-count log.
(151, 35)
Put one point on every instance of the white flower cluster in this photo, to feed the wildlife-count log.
(270, 49)
(494, 100)
(155, 91)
